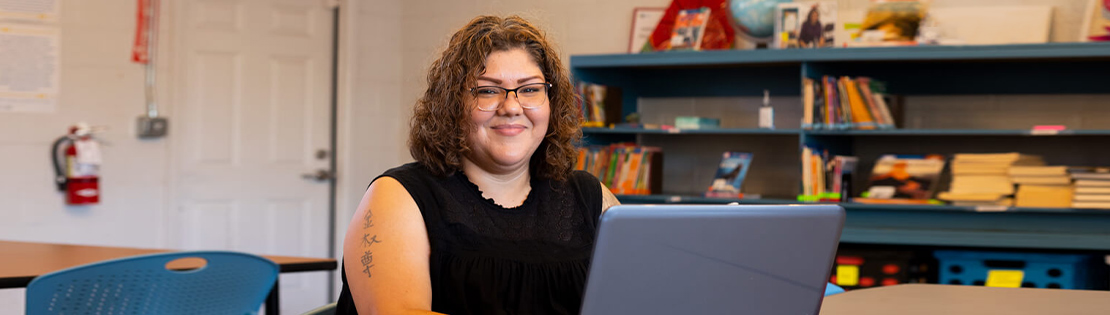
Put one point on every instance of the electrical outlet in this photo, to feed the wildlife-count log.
(152, 127)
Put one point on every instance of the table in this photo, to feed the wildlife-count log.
(22, 261)
(957, 299)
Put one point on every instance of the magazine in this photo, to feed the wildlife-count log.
(730, 175)
(893, 21)
(689, 28)
(905, 176)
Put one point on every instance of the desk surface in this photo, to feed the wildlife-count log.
(22, 261)
(958, 300)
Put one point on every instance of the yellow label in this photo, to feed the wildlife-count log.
(847, 275)
(1005, 278)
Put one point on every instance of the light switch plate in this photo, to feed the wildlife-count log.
(152, 127)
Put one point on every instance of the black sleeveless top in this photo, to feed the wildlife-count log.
(486, 259)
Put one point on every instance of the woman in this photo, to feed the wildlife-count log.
(491, 218)
(813, 32)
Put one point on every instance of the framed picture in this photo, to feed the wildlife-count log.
(1096, 25)
(805, 25)
(644, 21)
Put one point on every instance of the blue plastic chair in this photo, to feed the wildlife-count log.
(832, 289)
(230, 283)
(328, 309)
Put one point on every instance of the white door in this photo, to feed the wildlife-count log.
(253, 82)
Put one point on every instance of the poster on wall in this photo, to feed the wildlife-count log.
(28, 68)
(29, 10)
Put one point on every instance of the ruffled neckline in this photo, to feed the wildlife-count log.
(528, 200)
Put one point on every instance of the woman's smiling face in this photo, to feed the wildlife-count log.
(507, 137)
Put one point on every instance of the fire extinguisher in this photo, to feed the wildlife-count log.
(76, 158)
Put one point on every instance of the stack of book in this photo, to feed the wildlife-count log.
(984, 179)
(625, 168)
(845, 103)
(1042, 186)
(1092, 188)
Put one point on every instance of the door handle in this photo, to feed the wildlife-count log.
(320, 175)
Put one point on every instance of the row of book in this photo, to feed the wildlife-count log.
(845, 103)
(625, 168)
(826, 178)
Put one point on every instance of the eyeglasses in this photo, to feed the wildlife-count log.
(530, 96)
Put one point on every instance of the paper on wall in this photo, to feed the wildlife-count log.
(29, 68)
(29, 10)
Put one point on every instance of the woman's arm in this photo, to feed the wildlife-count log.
(386, 251)
(607, 199)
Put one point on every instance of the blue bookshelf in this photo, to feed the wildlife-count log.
(956, 132)
(1040, 69)
(718, 131)
(1052, 51)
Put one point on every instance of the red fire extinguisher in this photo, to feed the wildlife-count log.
(77, 161)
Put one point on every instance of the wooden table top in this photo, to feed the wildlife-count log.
(957, 299)
(22, 261)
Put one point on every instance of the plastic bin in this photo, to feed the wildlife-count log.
(1060, 271)
(872, 268)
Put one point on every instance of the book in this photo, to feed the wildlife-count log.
(1091, 204)
(1092, 183)
(905, 176)
(730, 175)
(1092, 190)
(1038, 171)
(1041, 180)
(1047, 196)
(861, 112)
(1101, 198)
(689, 29)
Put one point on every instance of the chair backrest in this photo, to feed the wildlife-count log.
(323, 310)
(230, 283)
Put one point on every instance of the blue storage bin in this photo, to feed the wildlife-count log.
(1063, 271)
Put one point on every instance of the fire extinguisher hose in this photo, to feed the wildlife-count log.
(59, 159)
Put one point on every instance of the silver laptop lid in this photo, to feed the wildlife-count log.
(700, 259)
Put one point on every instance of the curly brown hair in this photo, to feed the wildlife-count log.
(440, 121)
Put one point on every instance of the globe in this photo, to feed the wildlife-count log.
(755, 18)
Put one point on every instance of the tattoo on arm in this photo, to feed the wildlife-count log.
(367, 241)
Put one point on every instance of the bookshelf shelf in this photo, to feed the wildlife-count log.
(1019, 79)
(719, 131)
(1052, 51)
(956, 132)
(937, 225)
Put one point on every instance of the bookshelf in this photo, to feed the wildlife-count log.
(1050, 84)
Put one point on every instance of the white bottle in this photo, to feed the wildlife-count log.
(766, 113)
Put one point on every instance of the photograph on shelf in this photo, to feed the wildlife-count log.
(1096, 25)
(913, 177)
(730, 175)
(805, 25)
(689, 29)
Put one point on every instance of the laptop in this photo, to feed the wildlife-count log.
(703, 259)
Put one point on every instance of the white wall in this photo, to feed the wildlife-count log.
(387, 47)
(101, 86)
